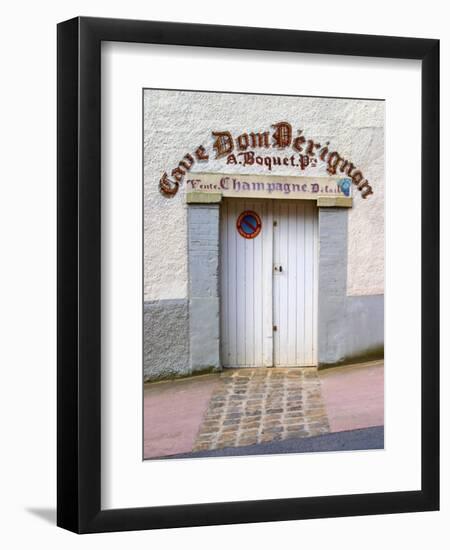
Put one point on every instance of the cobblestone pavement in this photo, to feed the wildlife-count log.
(259, 405)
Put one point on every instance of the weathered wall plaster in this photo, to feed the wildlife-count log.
(166, 339)
(177, 122)
(181, 311)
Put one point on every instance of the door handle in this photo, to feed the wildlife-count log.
(278, 268)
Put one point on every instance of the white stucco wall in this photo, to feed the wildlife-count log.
(176, 123)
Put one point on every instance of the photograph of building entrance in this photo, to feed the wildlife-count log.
(263, 274)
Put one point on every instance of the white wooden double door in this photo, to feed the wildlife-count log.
(269, 285)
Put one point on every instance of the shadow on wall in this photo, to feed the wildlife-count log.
(374, 354)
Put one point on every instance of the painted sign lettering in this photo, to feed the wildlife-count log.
(263, 186)
(243, 150)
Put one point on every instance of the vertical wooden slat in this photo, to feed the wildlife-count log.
(261, 208)
(308, 286)
(316, 285)
(276, 283)
(249, 322)
(240, 294)
(267, 285)
(291, 274)
(300, 304)
(283, 277)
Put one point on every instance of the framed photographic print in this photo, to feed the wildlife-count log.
(248, 256)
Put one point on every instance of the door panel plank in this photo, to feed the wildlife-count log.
(249, 287)
(308, 286)
(258, 290)
(267, 283)
(292, 275)
(283, 278)
(295, 288)
(276, 286)
(245, 284)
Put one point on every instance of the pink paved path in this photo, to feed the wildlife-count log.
(173, 412)
(354, 396)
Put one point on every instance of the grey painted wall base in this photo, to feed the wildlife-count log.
(171, 348)
(166, 339)
(204, 334)
(361, 318)
(350, 328)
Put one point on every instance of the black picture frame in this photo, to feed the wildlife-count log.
(79, 275)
